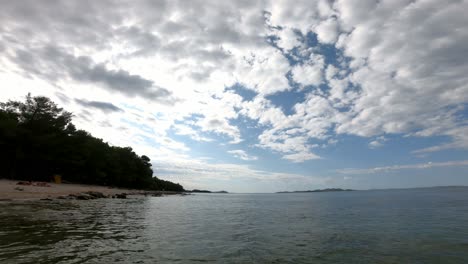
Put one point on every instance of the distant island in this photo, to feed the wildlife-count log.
(322, 190)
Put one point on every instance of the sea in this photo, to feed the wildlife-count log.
(427, 225)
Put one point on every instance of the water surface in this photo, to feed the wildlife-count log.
(391, 226)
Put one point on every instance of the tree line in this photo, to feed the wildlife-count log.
(38, 140)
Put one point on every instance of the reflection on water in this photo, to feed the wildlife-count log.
(397, 226)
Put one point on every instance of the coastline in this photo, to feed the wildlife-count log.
(11, 191)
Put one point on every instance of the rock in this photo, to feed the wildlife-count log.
(121, 196)
(41, 184)
(96, 194)
(68, 197)
(84, 196)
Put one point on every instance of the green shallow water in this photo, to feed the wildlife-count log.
(392, 226)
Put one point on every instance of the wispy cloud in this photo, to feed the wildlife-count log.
(404, 167)
(377, 143)
(241, 154)
(199, 169)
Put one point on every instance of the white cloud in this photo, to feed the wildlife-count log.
(377, 143)
(220, 126)
(289, 135)
(330, 72)
(263, 71)
(459, 137)
(311, 72)
(407, 82)
(241, 154)
(327, 31)
(300, 157)
(287, 39)
(302, 15)
(185, 130)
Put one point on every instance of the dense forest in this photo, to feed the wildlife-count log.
(38, 140)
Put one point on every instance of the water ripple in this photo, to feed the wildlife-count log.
(400, 226)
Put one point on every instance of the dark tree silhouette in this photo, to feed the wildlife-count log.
(38, 140)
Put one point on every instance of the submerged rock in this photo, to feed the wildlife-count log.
(121, 196)
(96, 194)
(83, 197)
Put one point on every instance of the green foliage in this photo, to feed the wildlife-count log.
(38, 140)
(166, 185)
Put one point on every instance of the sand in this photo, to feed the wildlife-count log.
(9, 190)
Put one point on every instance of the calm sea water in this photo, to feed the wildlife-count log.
(393, 226)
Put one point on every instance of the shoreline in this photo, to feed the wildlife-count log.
(10, 190)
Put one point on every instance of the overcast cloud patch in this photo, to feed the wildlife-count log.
(54, 63)
(103, 106)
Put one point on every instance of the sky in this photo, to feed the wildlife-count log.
(256, 96)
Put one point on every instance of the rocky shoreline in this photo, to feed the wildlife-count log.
(92, 195)
(16, 191)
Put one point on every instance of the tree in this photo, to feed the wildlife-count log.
(40, 125)
(38, 140)
(38, 111)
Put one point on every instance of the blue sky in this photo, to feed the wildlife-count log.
(256, 96)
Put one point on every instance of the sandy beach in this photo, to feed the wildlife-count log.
(10, 190)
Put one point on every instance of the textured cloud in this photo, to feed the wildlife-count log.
(287, 39)
(408, 83)
(103, 106)
(370, 68)
(327, 31)
(54, 64)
